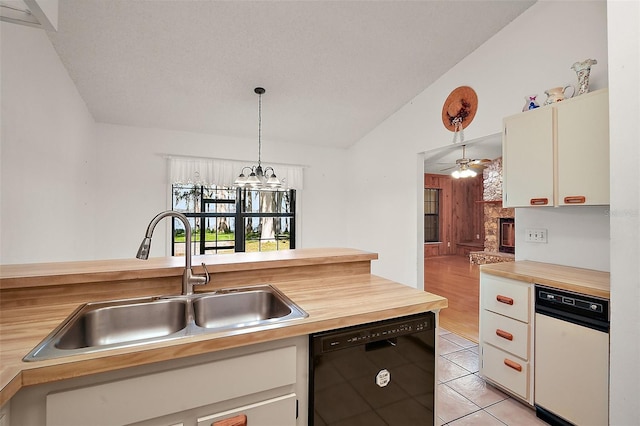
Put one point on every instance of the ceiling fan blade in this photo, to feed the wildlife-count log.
(481, 161)
(448, 168)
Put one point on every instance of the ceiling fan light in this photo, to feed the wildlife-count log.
(463, 172)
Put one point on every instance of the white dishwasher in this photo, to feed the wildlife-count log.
(571, 358)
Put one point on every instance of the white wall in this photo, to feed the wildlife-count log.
(47, 149)
(576, 236)
(624, 110)
(72, 189)
(533, 53)
(133, 184)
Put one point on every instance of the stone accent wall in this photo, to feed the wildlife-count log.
(493, 211)
(492, 181)
(483, 257)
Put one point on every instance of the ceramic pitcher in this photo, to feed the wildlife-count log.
(558, 94)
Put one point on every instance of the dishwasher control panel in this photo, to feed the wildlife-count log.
(578, 308)
(576, 301)
(385, 330)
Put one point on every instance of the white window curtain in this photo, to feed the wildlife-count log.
(213, 171)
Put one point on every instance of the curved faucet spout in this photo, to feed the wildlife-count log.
(188, 278)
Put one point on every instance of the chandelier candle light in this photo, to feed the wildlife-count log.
(259, 177)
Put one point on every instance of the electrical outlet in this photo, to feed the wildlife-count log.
(535, 235)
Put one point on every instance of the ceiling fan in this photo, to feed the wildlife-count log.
(467, 167)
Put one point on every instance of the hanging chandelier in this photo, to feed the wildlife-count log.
(258, 177)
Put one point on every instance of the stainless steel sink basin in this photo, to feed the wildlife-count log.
(120, 323)
(243, 308)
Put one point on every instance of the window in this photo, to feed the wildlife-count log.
(227, 220)
(431, 215)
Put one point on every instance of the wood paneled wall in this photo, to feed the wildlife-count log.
(461, 213)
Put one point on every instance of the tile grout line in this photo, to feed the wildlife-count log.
(444, 356)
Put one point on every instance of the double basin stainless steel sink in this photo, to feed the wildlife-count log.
(123, 323)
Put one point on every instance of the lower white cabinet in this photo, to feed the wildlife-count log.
(506, 334)
(504, 369)
(266, 382)
(272, 412)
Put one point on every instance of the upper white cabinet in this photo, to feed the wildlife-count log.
(558, 154)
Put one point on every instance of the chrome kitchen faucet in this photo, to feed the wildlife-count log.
(188, 278)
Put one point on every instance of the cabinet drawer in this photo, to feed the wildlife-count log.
(279, 411)
(505, 333)
(505, 296)
(502, 368)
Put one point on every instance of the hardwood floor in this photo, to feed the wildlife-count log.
(458, 280)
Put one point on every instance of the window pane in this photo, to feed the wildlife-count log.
(214, 211)
(430, 229)
(186, 198)
(179, 236)
(431, 215)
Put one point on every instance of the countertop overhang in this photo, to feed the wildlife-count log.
(578, 280)
(332, 301)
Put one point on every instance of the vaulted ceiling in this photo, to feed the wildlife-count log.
(332, 70)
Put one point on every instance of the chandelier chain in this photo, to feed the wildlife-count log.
(259, 178)
(259, 129)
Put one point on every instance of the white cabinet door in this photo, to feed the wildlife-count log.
(505, 296)
(505, 333)
(558, 154)
(279, 411)
(583, 150)
(173, 391)
(527, 159)
(507, 370)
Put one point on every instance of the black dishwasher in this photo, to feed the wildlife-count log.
(381, 373)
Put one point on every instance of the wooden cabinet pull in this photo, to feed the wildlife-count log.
(504, 299)
(512, 364)
(576, 199)
(539, 201)
(239, 420)
(504, 334)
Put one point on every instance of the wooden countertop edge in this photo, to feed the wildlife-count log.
(50, 274)
(82, 365)
(332, 302)
(579, 280)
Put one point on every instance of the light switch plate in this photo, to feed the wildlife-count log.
(535, 235)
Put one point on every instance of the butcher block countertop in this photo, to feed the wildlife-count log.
(579, 280)
(334, 286)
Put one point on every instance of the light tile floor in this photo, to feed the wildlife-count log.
(464, 398)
